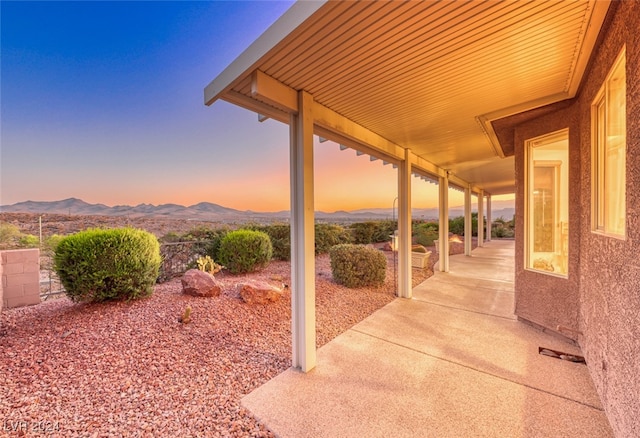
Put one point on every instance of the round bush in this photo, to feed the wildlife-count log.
(244, 251)
(99, 265)
(357, 265)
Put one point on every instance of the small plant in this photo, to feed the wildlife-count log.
(99, 265)
(418, 248)
(207, 264)
(243, 251)
(357, 265)
(186, 316)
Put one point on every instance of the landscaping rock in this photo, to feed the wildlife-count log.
(259, 292)
(200, 284)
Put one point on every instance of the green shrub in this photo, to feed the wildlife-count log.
(29, 241)
(207, 240)
(456, 225)
(9, 235)
(363, 232)
(384, 230)
(280, 235)
(357, 265)
(98, 265)
(424, 234)
(244, 251)
(51, 242)
(372, 231)
(328, 235)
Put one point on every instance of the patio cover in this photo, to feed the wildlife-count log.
(424, 75)
(415, 83)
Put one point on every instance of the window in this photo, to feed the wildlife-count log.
(608, 155)
(547, 193)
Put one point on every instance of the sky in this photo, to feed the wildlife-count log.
(103, 101)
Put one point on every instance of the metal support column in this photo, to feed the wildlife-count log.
(303, 293)
(488, 232)
(443, 225)
(481, 218)
(468, 223)
(404, 226)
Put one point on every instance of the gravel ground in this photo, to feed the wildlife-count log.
(131, 369)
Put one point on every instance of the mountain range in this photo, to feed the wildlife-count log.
(213, 212)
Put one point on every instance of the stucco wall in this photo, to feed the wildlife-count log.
(609, 267)
(20, 277)
(546, 300)
(601, 297)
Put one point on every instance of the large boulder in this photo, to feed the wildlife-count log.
(200, 284)
(258, 292)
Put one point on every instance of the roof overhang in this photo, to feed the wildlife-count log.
(427, 76)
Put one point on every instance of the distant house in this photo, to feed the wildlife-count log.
(540, 99)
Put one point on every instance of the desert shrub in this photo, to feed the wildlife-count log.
(362, 232)
(207, 240)
(502, 228)
(9, 235)
(28, 241)
(328, 235)
(99, 265)
(456, 225)
(244, 251)
(372, 231)
(357, 265)
(383, 230)
(51, 242)
(280, 235)
(424, 234)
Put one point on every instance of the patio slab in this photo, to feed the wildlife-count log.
(451, 362)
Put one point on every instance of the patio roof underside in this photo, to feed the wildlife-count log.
(421, 75)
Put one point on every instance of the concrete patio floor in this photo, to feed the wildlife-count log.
(451, 362)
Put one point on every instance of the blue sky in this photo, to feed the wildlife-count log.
(104, 101)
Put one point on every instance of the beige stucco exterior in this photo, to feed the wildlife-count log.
(598, 304)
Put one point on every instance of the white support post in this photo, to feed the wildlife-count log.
(404, 226)
(443, 225)
(488, 233)
(303, 294)
(468, 223)
(481, 218)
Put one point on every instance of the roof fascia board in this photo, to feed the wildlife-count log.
(247, 61)
(591, 30)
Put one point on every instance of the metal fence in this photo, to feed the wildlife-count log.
(177, 257)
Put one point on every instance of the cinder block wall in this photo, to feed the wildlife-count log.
(20, 271)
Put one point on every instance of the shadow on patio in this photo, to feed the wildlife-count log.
(453, 361)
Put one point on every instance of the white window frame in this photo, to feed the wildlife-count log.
(599, 182)
(531, 144)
